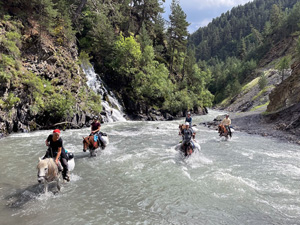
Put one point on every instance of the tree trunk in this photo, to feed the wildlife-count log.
(79, 10)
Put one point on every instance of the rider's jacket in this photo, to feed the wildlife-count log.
(187, 135)
(95, 125)
(226, 122)
(189, 120)
(54, 145)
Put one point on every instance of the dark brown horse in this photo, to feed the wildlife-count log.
(181, 128)
(90, 144)
(223, 132)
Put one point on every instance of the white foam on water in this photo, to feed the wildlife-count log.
(197, 159)
(185, 172)
(123, 158)
(74, 177)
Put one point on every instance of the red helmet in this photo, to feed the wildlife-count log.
(56, 131)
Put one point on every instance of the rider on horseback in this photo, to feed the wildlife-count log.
(95, 130)
(226, 122)
(189, 119)
(187, 134)
(57, 151)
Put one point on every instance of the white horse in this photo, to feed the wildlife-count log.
(48, 172)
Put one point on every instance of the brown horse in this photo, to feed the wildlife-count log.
(181, 128)
(90, 144)
(223, 131)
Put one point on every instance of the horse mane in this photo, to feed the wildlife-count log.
(181, 127)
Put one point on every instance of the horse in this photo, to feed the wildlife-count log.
(48, 172)
(223, 132)
(92, 145)
(181, 128)
(188, 150)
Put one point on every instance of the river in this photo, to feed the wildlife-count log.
(141, 179)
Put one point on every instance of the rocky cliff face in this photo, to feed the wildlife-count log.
(42, 84)
(287, 93)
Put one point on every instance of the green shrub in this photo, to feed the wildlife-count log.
(10, 101)
(94, 102)
(84, 59)
(4, 76)
(7, 61)
(59, 106)
(262, 82)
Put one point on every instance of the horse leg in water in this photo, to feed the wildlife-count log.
(57, 183)
(45, 187)
(93, 152)
(189, 150)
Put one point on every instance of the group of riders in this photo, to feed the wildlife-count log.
(56, 150)
(188, 134)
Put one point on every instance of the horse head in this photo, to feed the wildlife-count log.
(88, 143)
(85, 143)
(181, 128)
(47, 170)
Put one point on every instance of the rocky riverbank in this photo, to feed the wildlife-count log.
(281, 125)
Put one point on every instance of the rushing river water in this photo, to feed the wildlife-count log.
(140, 179)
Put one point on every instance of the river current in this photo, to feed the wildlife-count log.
(141, 179)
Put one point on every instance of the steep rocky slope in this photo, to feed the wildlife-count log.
(42, 83)
(275, 110)
(287, 93)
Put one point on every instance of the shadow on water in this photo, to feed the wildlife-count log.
(21, 197)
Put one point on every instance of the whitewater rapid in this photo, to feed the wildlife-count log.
(141, 179)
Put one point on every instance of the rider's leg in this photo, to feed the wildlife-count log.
(64, 164)
(101, 141)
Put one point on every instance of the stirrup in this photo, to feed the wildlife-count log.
(67, 178)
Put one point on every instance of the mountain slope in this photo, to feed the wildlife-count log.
(226, 35)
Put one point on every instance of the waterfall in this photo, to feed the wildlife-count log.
(111, 108)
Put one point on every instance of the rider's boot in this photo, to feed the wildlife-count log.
(66, 176)
(102, 145)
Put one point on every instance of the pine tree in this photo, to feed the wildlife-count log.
(283, 65)
(298, 49)
(242, 49)
(275, 18)
(177, 32)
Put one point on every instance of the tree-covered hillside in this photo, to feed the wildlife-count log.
(240, 30)
(146, 62)
(235, 44)
(43, 43)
